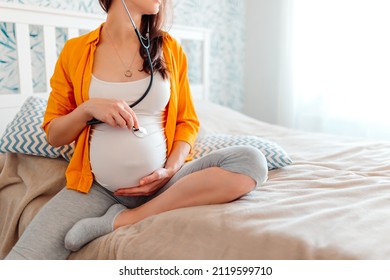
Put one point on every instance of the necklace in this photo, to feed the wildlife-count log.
(128, 73)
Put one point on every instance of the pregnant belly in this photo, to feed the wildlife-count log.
(119, 159)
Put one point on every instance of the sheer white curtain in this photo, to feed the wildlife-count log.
(337, 68)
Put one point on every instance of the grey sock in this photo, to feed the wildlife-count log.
(86, 230)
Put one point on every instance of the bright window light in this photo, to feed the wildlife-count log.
(341, 59)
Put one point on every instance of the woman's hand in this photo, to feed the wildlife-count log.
(112, 112)
(149, 184)
(65, 129)
(155, 181)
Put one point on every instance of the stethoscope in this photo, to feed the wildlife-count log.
(141, 131)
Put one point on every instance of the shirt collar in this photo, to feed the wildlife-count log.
(94, 36)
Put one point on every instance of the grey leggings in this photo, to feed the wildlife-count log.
(44, 237)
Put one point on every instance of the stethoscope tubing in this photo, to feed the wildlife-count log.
(146, 47)
(96, 121)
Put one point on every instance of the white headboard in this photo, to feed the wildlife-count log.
(74, 22)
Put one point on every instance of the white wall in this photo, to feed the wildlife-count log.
(224, 18)
(265, 48)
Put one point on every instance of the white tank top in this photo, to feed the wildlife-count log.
(118, 158)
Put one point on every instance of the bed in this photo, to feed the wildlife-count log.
(326, 197)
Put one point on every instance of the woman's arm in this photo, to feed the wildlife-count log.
(65, 129)
(152, 183)
(64, 120)
(176, 159)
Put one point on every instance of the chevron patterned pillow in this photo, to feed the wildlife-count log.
(25, 135)
(276, 156)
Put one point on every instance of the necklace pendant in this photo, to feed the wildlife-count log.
(128, 73)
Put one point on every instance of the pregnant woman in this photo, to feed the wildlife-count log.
(121, 92)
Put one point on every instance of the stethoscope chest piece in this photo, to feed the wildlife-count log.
(141, 132)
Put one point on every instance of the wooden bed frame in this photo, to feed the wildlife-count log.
(74, 22)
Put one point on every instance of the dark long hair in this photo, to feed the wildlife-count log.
(156, 23)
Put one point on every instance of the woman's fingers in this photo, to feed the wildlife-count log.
(121, 121)
(137, 191)
(148, 184)
(116, 113)
(129, 116)
(135, 120)
(109, 120)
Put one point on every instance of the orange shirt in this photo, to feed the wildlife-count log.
(70, 87)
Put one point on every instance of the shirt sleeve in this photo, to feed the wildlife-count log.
(187, 124)
(61, 99)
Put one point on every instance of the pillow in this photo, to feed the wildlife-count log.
(25, 135)
(275, 155)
